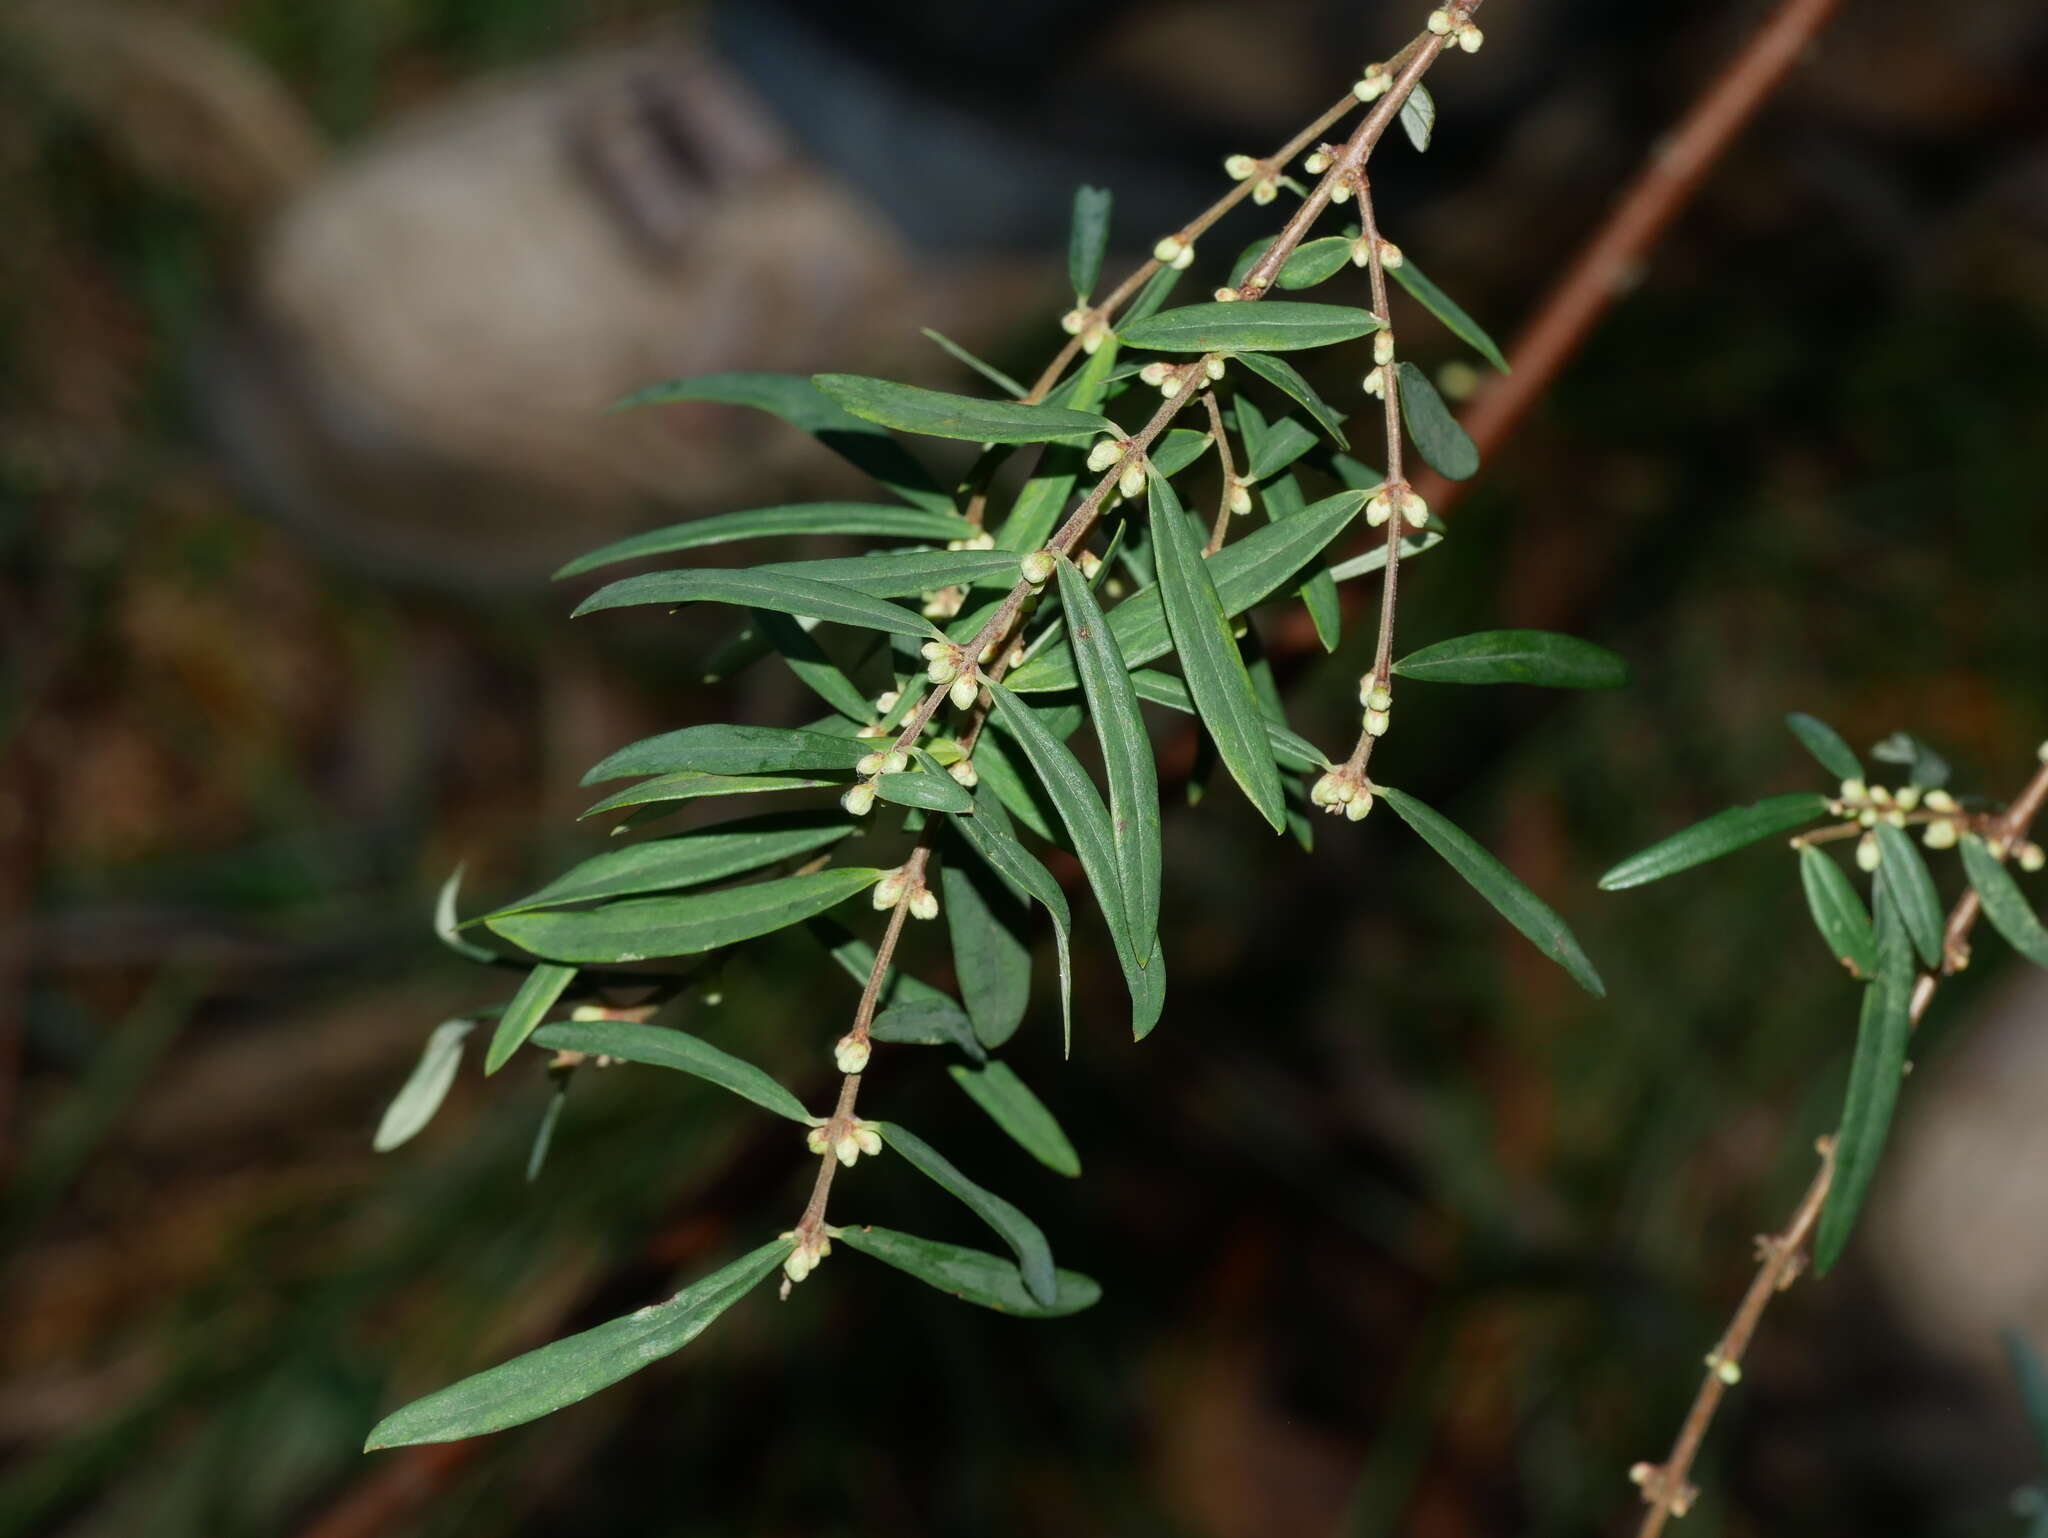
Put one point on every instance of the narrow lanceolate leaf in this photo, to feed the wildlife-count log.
(1539, 657)
(536, 996)
(1245, 572)
(913, 1011)
(1034, 1255)
(1826, 745)
(987, 370)
(973, 1276)
(816, 671)
(1874, 1075)
(1126, 755)
(875, 518)
(1283, 376)
(798, 402)
(1087, 239)
(938, 414)
(1719, 834)
(992, 963)
(989, 832)
(544, 1134)
(1838, 913)
(571, 1370)
(1088, 827)
(904, 573)
(1435, 432)
(2004, 903)
(1288, 746)
(1040, 501)
(1446, 309)
(729, 749)
(761, 590)
(1375, 559)
(1924, 767)
(659, 1047)
(1499, 886)
(420, 1097)
(929, 788)
(667, 864)
(1418, 115)
(1011, 1105)
(1215, 670)
(1312, 262)
(691, 784)
(1276, 325)
(1905, 875)
(448, 923)
(641, 928)
(1278, 447)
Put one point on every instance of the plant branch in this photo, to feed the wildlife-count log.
(1222, 441)
(1666, 1486)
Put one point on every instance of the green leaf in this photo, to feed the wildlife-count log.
(1038, 505)
(974, 1276)
(1021, 796)
(1288, 746)
(878, 519)
(1209, 657)
(544, 1134)
(989, 833)
(644, 927)
(928, 1022)
(1375, 559)
(798, 402)
(543, 986)
(448, 925)
(1437, 436)
(690, 784)
(1823, 742)
(993, 965)
(1312, 262)
(1719, 834)
(1539, 657)
(1177, 450)
(1273, 325)
(1034, 1255)
(1157, 290)
(988, 371)
(816, 671)
(1283, 376)
(1446, 309)
(928, 787)
(571, 1370)
(664, 865)
(760, 590)
(1126, 756)
(904, 573)
(1269, 450)
(1498, 885)
(722, 748)
(2031, 1377)
(1838, 913)
(937, 414)
(1418, 115)
(1925, 767)
(1903, 872)
(1086, 241)
(1278, 447)
(659, 1047)
(2004, 903)
(1011, 1105)
(1245, 573)
(425, 1088)
(1088, 826)
(1874, 1075)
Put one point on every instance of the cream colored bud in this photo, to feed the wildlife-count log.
(887, 701)
(1324, 791)
(1361, 252)
(1470, 38)
(1090, 563)
(943, 604)
(1376, 723)
(1341, 190)
(965, 688)
(1415, 510)
(1240, 167)
(846, 1149)
(1074, 320)
(1037, 567)
(1317, 163)
(1868, 855)
(799, 1265)
(1225, 296)
(1880, 796)
(850, 1054)
(1373, 85)
(817, 1141)
(1390, 255)
(1106, 452)
(1868, 817)
(1908, 797)
(1728, 1372)
(1131, 482)
(2042, 752)
(1265, 190)
(1356, 808)
(932, 650)
(1379, 697)
(1440, 22)
(988, 654)
(924, 905)
(1153, 374)
(942, 670)
(1185, 260)
(1856, 790)
(895, 762)
(868, 1136)
(982, 541)
(1378, 510)
(859, 800)
(963, 773)
(870, 731)
(1168, 249)
(1240, 497)
(2031, 858)
(1940, 835)
(1895, 818)
(1093, 338)
(1375, 383)
(1383, 348)
(888, 892)
(1940, 801)
(871, 764)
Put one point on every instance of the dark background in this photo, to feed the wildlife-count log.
(299, 383)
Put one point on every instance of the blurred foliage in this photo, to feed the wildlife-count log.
(1399, 1233)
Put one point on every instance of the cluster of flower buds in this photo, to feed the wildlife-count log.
(1088, 325)
(850, 1054)
(1378, 701)
(1342, 792)
(1362, 251)
(1243, 168)
(943, 603)
(1380, 507)
(893, 761)
(944, 661)
(1174, 252)
(803, 1260)
(1373, 84)
(1650, 1478)
(846, 1142)
(982, 541)
(1459, 29)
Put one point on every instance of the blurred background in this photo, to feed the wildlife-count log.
(307, 317)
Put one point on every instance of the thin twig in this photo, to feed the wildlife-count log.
(1222, 441)
(1666, 1487)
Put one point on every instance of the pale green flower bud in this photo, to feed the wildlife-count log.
(2031, 858)
(1317, 163)
(1324, 791)
(963, 773)
(1470, 38)
(924, 905)
(1856, 790)
(868, 1136)
(1378, 697)
(1037, 567)
(1361, 252)
(1090, 563)
(1376, 723)
(1390, 255)
(1074, 320)
(850, 1054)
(1378, 510)
(859, 800)
(1265, 190)
(1240, 497)
(1131, 482)
(1908, 797)
(871, 764)
(800, 1264)
(817, 1141)
(887, 701)
(846, 1149)
(1213, 367)
(1940, 801)
(871, 730)
(1383, 347)
(1093, 338)
(1880, 796)
(888, 891)
(1868, 855)
(1340, 192)
(1153, 374)
(1440, 22)
(1225, 296)
(942, 670)
(1356, 808)
(1107, 451)
(1375, 383)
(1240, 167)
(1415, 510)
(1373, 85)
(964, 690)
(1940, 835)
